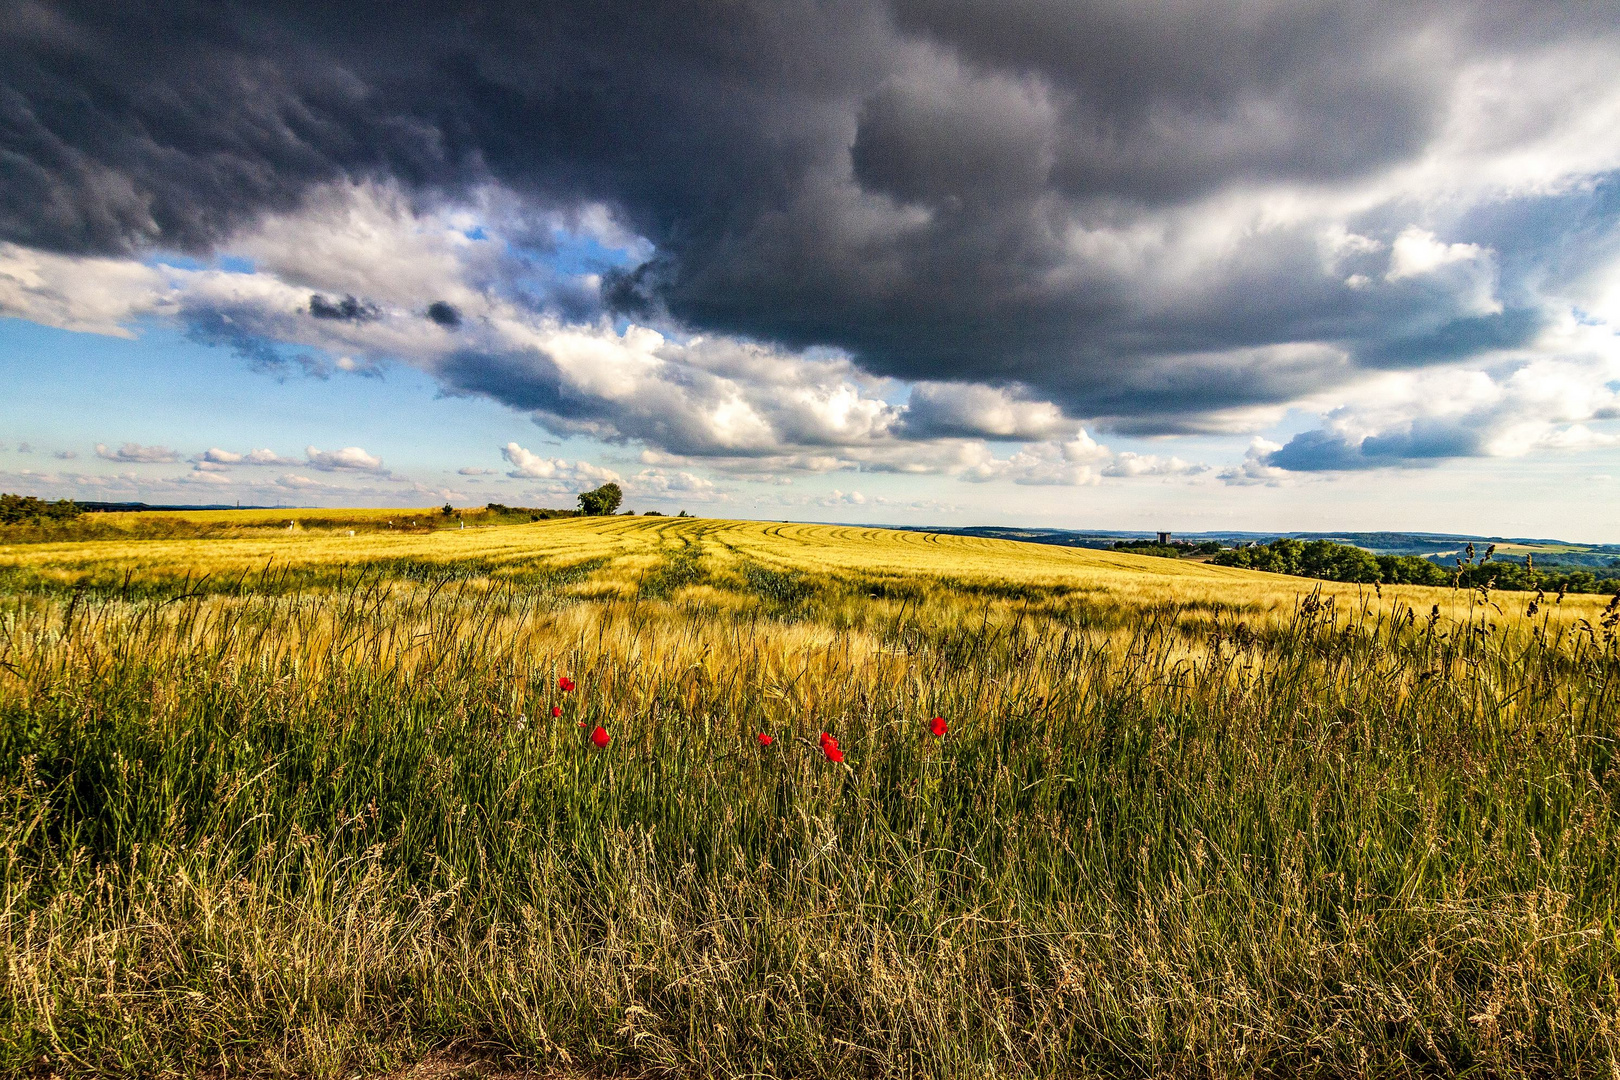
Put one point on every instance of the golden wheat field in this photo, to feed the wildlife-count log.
(631, 544)
(558, 797)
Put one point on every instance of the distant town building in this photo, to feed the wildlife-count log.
(1164, 538)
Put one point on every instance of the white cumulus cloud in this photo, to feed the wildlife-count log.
(527, 465)
(348, 459)
(136, 453)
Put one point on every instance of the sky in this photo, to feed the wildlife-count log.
(1249, 266)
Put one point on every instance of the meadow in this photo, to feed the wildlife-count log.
(302, 803)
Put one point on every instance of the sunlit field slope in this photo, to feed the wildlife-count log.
(305, 803)
(620, 548)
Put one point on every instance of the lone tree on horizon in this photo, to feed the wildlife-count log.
(603, 501)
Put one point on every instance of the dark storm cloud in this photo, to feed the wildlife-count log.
(951, 191)
(1155, 96)
(132, 126)
(212, 326)
(1418, 444)
(444, 313)
(216, 327)
(345, 309)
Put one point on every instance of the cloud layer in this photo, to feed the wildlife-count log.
(858, 234)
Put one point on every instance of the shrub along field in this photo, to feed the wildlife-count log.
(1344, 562)
(314, 804)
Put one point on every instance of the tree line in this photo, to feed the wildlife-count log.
(1329, 561)
(27, 510)
(1175, 549)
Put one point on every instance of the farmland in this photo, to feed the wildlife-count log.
(290, 801)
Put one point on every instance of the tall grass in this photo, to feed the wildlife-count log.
(329, 828)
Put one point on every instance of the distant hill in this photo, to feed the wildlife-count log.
(1438, 547)
(138, 507)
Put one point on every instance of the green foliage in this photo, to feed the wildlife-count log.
(1341, 562)
(501, 514)
(26, 510)
(1163, 551)
(1518, 576)
(602, 501)
(1410, 570)
(682, 566)
(1175, 550)
(1315, 558)
(784, 592)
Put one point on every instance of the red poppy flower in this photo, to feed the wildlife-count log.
(827, 740)
(565, 683)
(764, 739)
(938, 727)
(556, 710)
(830, 748)
(600, 737)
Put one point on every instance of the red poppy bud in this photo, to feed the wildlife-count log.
(600, 737)
(565, 683)
(764, 739)
(938, 727)
(834, 754)
(556, 710)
